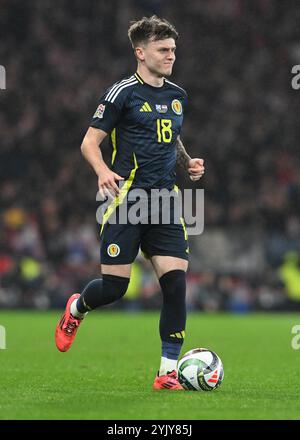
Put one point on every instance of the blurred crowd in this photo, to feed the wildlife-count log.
(234, 58)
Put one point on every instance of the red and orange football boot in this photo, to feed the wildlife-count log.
(167, 382)
(67, 327)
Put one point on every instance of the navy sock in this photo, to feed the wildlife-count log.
(170, 350)
(101, 292)
(173, 313)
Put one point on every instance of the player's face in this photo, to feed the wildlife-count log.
(159, 56)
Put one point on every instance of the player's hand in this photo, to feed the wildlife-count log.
(108, 183)
(196, 169)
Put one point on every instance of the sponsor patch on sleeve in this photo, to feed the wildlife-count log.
(99, 112)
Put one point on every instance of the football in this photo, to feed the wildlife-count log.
(200, 369)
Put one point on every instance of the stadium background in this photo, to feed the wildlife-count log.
(234, 59)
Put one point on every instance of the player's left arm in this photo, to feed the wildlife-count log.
(195, 167)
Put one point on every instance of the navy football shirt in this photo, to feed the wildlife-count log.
(143, 122)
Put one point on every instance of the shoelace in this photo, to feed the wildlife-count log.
(173, 379)
(173, 375)
(71, 326)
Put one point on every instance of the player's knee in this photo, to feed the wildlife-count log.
(114, 287)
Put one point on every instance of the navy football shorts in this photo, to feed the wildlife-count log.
(120, 243)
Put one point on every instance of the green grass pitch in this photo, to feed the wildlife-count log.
(109, 371)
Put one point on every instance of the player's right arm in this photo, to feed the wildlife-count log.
(90, 148)
(106, 117)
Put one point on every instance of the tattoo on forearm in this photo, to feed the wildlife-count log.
(182, 157)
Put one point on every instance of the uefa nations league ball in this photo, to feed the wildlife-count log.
(200, 370)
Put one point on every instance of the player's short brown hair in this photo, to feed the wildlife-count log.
(150, 28)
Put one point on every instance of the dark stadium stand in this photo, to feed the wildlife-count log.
(234, 59)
